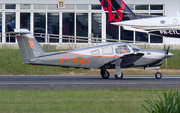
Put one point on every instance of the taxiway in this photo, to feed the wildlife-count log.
(52, 82)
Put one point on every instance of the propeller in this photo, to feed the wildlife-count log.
(167, 50)
(166, 54)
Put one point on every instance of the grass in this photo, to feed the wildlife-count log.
(12, 64)
(170, 103)
(75, 101)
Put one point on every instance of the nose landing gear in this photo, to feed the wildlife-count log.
(158, 75)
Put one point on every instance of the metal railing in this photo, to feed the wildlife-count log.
(52, 38)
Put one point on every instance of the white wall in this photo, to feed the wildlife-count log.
(171, 6)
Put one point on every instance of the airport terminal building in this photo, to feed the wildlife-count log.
(78, 18)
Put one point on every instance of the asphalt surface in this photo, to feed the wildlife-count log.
(52, 82)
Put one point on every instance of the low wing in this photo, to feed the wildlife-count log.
(125, 61)
(129, 59)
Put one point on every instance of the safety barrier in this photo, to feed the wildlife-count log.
(52, 38)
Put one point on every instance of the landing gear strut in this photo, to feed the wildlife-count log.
(105, 74)
(158, 75)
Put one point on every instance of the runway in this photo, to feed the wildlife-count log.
(51, 82)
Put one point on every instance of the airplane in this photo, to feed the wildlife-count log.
(107, 56)
(121, 15)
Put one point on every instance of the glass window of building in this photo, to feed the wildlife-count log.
(39, 25)
(141, 7)
(0, 27)
(0, 6)
(81, 7)
(25, 6)
(95, 7)
(156, 39)
(68, 26)
(112, 31)
(82, 27)
(39, 6)
(52, 6)
(0, 22)
(10, 25)
(142, 37)
(156, 7)
(10, 6)
(69, 7)
(96, 27)
(53, 27)
(126, 35)
(25, 21)
(157, 14)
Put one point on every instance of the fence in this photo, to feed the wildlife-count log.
(52, 38)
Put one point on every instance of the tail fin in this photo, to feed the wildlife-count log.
(28, 45)
(122, 11)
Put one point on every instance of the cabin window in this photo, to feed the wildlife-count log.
(122, 49)
(107, 51)
(95, 52)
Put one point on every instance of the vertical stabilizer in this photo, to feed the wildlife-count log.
(28, 45)
(117, 10)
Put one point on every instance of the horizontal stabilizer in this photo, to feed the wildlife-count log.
(22, 31)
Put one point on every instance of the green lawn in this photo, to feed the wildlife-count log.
(75, 101)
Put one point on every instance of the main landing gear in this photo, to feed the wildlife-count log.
(120, 76)
(105, 74)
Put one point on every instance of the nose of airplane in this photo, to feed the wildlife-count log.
(169, 55)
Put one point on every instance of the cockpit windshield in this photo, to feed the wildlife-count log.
(134, 48)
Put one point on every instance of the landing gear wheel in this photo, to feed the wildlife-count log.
(105, 75)
(158, 75)
(119, 76)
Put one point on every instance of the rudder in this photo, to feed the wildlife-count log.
(122, 11)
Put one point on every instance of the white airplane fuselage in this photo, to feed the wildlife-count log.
(163, 26)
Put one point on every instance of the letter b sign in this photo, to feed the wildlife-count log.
(61, 4)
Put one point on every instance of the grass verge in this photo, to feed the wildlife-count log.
(75, 101)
